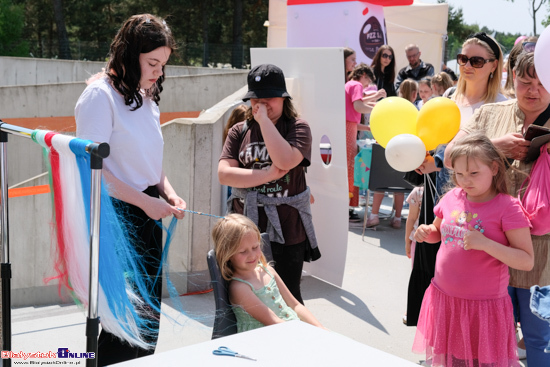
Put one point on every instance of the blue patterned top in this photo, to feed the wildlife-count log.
(271, 297)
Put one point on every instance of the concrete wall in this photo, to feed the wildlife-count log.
(185, 93)
(191, 153)
(182, 93)
(30, 248)
(25, 160)
(192, 150)
(30, 71)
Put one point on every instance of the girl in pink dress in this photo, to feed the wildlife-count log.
(466, 317)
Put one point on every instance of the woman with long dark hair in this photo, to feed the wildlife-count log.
(120, 107)
(383, 65)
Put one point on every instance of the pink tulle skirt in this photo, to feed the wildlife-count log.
(467, 333)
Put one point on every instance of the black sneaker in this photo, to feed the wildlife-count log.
(353, 217)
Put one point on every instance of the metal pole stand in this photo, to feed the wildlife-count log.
(5, 268)
(97, 153)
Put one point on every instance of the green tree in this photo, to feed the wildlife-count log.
(39, 30)
(12, 21)
(93, 24)
(207, 31)
(457, 31)
(534, 7)
(237, 52)
(62, 37)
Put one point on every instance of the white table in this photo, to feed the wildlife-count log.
(292, 343)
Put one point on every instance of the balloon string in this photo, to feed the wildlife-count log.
(428, 184)
(425, 201)
(200, 213)
(433, 189)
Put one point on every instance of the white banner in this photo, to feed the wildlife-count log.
(354, 24)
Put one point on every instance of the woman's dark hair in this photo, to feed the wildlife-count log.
(525, 65)
(360, 70)
(347, 53)
(389, 71)
(139, 34)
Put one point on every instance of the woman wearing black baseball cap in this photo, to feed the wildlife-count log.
(263, 160)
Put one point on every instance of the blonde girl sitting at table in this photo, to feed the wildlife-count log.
(257, 293)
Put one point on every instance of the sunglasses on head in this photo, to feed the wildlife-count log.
(528, 46)
(387, 56)
(476, 61)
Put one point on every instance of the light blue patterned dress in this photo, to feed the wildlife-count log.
(271, 297)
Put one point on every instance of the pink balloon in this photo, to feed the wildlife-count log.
(519, 39)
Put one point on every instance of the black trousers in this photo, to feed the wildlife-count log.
(148, 245)
(423, 270)
(289, 262)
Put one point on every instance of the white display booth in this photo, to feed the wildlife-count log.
(314, 80)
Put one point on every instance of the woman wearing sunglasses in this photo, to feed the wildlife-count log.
(383, 65)
(480, 75)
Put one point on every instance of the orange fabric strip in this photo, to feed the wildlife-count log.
(26, 191)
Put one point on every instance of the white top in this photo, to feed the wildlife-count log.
(468, 111)
(134, 137)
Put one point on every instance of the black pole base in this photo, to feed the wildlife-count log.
(5, 271)
(92, 333)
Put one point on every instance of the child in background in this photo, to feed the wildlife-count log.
(424, 92)
(415, 200)
(409, 90)
(237, 115)
(370, 92)
(257, 293)
(466, 317)
(440, 83)
(357, 104)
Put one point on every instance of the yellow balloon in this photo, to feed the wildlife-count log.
(438, 122)
(392, 116)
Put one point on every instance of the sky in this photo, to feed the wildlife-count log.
(500, 15)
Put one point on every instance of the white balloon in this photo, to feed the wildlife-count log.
(405, 152)
(542, 55)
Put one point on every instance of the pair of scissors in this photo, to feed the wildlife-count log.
(224, 351)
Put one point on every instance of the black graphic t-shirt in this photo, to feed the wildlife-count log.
(252, 153)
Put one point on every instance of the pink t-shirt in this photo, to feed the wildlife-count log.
(474, 274)
(354, 92)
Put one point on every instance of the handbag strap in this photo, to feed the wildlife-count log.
(543, 117)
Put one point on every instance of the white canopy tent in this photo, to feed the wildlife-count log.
(420, 23)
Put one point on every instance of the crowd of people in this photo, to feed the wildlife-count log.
(472, 227)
